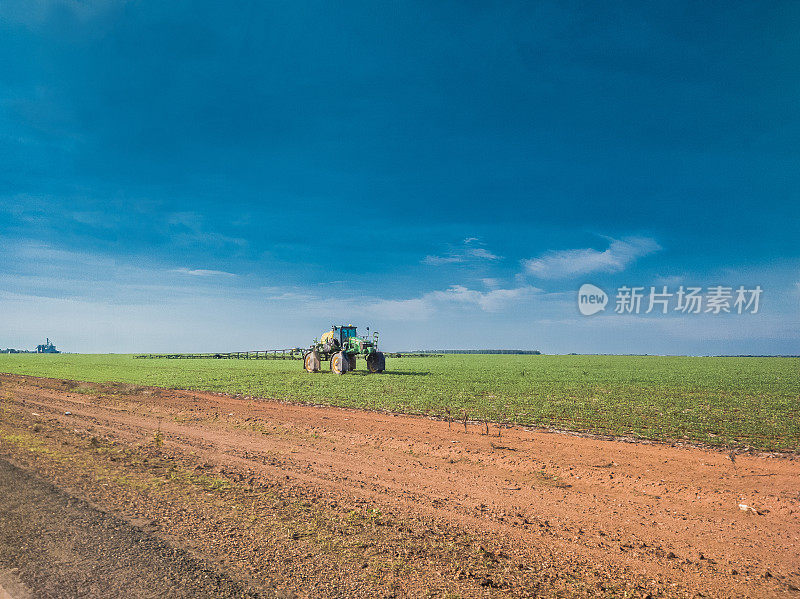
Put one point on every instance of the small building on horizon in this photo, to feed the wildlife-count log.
(47, 348)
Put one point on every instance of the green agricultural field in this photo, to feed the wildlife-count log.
(719, 401)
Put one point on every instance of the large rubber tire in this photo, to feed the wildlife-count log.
(376, 362)
(311, 361)
(351, 365)
(339, 363)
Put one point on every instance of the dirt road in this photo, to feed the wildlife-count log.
(350, 503)
(63, 547)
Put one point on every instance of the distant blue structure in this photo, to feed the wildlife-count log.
(47, 348)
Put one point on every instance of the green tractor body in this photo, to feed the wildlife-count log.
(341, 346)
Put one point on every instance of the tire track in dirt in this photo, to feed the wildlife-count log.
(63, 547)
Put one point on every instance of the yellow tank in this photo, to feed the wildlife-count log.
(326, 337)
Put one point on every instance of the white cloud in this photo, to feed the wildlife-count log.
(567, 263)
(418, 308)
(189, 229)
(201, 272)
(465, 253)
(292, 294)
(439, 260)
(40, 254)
(483, 253)
(433, 302)
(489, 301)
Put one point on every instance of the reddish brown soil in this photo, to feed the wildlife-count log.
(667, 515)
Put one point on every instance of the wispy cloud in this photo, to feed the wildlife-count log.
(202, 272)
(189, 229)
(423, 307)
(483, 253)
(439, 260)
(490, 301)
(40, 254)
(471, 249)
(568, 263)
(439, 301)
(292, 294)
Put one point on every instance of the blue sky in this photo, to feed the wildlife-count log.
(200, 176)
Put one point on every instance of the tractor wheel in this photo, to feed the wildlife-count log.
(311, 361)
(376, 362)
(351, 365)
(339, 363)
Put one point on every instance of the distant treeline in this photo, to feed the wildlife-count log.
(16, 351)
(692, 355)
(524, 352)
(758, 356)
